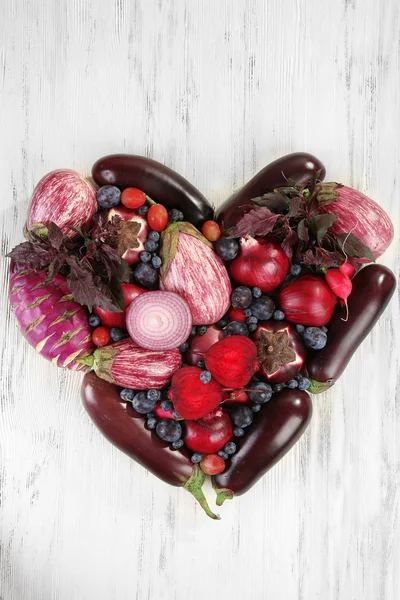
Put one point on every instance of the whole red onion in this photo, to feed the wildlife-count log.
(260, 263)
(307, 300)
(65, 198)
(210, 433)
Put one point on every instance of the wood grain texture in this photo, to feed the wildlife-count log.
(215, 90)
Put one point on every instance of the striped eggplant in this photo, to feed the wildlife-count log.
(126, 364)
(65, 198)
(193, 270)
(50, 320)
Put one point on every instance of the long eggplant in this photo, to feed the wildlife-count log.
(299, 166)
(158, 181)
(126, 429)
(276, 428)
(373, 287)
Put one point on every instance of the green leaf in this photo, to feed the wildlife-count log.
(319, 224)
(354, 247)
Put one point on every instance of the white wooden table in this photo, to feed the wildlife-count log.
(215, 89)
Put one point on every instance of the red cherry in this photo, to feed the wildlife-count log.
(101, 336)
(133, 197)
(212, 464)
(157, 217)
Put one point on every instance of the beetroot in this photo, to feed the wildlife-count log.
(50, 320)
(307, 300)
(210, 433)
(232, 361)
(192, 398)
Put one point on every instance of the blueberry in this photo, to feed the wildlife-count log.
(145, 274)
(166, 404)
(202, 329)
(251, 320)
(169, 430)
(143, 210)
(151, 423)
(256, 292)
(145, 257)
(223, 322)
(278, 315)
(241, 297)
(262, 392)
(196, 457)
(256, 407)
(315, 338)
(201, 364)
(150, 245)
(304, 384)
(154, 395)
(262, 308)
(242, 416)
(226, 248)
(292, 384)
(176, 416)
(247, 312)
(278, 387)
(236, 328)
(205, 376)
(142, 404)
(94, 321)
(116, 334)
(223, 454)
(230, 448)
(194, 330)
(295, 270)
(184, 347)
(300, 328)
(178, 444)
(156, 262)
(108, 196)
(238, 432)
(127, 395)
(153, 235)
(175, 215)
(253, 326)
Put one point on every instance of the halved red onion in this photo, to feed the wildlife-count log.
(159, 320)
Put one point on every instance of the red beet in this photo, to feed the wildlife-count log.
(209, 434)
(260, 263)
(192, 398)
(307, 300)
(232, 361)
(200, 344)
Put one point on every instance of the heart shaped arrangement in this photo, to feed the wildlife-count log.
(200, 336)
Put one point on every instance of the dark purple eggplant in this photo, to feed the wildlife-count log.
(159, 182)
(299, 167)
(276, 428)
(373, 287)
(126, 429)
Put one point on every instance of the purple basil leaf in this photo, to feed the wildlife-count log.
(275, 201)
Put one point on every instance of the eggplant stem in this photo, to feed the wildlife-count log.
(194, 486)
(222, 494)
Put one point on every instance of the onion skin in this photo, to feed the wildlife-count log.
(308, 301)
(373, 287)
(278, 426)
(299, 166)
(361, 216)
(64, 197)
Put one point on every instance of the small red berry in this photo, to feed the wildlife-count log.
(101, 336)
(212, 464)
(133, 197)
(157, 217)
(211, 231)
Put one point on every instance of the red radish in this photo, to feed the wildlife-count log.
(111, 318)
(347, 268)
(340, 284)
(65, 198)
(232, 361)
(236, 314)
(200, 344)
(131, 255)
(101, 336)
(126, 364)
(237, 396)
(210, 433)
(193, 270)
(212, 464)
(359, 215)
(49, 319)
(159, 320)
(280, 351)
(307, 300)
(260, 263)
(192, 398)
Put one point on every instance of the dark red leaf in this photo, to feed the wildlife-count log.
(257, 222)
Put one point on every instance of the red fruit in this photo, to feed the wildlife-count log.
(192, 398)
(157, 217)
(133, 197)
(101, 336)
(280, 351)
(210, 433)
(212, 464)
(347, 268)
(200, 344)
(236, 314)
(111, 318)
(231, 398)
(260, 263)
(211, 231)
(307, 300)
(232, 361)
(132, 255)
(163, 414)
